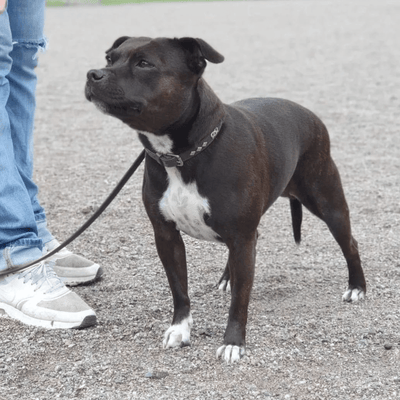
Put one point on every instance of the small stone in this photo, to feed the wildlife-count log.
(388, 346)
(206, 332)
(87, 210)
(363, 343)
(156, 375)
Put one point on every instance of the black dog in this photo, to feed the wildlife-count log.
(212, 170)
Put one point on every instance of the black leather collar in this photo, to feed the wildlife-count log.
(177, 160)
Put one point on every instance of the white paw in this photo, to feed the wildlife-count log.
(225, 286)
(352, 295)
(179, 334)
(231, 354)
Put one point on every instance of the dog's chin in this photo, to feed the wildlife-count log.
(119, 110)
(100, 105)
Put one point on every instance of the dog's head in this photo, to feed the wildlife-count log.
(149, 83)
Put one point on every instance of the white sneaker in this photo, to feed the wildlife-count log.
(38, 297)
(72, 268)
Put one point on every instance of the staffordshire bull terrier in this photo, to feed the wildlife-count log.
(212, 170)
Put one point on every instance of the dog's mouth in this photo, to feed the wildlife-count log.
(121, 108)
(115, 107)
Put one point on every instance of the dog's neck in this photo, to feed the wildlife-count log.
(203, 114)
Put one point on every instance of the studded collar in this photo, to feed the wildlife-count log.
(177, 160)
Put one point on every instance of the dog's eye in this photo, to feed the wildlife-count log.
(144, 64)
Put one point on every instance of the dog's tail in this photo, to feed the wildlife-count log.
(297, 216)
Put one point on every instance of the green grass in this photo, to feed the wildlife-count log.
(59, 3)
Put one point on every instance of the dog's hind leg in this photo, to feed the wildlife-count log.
(224, 283)
(324, 197)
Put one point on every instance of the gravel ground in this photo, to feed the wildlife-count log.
(341, 60)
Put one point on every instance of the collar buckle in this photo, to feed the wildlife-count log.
(171, 160)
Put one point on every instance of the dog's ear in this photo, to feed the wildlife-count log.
(198, 51)
(117, 43)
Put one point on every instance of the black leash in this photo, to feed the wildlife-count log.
(86, 225)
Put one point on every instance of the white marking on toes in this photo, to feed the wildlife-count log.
(179, 334)
(231, 354)
(225, 286)
(353, 295)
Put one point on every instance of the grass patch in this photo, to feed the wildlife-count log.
(60, 3)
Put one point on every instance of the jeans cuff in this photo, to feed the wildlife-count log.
(21, 252)
(43, 233)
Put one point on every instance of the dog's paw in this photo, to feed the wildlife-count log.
(231, 354)
(225, 285)
(178, 335)
(353, 294)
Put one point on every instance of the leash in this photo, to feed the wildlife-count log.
(86, 225)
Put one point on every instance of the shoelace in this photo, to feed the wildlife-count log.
(42, 274)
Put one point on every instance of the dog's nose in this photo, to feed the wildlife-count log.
(95, 74)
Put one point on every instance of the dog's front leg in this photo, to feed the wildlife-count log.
(242, 255)
(171, 250)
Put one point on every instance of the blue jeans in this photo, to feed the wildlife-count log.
(23, 228)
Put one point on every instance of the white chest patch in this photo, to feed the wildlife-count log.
(182, 204)
(161, 144)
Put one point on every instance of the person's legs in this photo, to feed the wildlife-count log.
(19, 242)
(36, 296)
(28, 41)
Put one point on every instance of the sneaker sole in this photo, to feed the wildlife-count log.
(90, 320)
(16, 314)
(79, 280)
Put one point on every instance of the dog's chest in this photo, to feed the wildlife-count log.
(183, 204)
